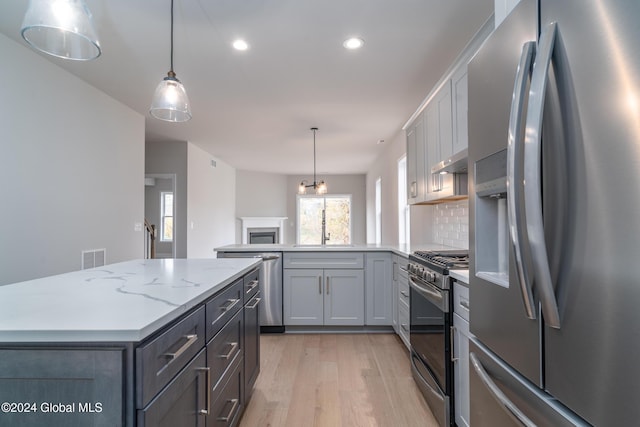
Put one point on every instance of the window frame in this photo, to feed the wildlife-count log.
(324, 197)
(163, 194)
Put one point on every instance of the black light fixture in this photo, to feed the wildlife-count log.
(319, 187)
(170, 102)
(62, 28)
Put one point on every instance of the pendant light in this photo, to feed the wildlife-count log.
(170, 102)
(62, 28)
(319, 187)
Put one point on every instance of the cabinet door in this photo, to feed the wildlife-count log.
(461, 370)
(183, 401)
(251, 345)
(344, 297)
(303, 299)
(460, 98)
(445, 123)
(432, 153)
(379, 289)
(416, 151)
(412, 180)
(394, 295)
(90, 379)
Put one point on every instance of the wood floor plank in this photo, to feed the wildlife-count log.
(334, 380)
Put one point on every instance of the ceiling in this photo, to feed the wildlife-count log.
(254, 109)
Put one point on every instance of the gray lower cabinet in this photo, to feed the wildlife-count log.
(191, 372)
(379, 289)
(317, 297)
(62, 387)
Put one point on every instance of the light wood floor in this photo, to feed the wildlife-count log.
(335, 380)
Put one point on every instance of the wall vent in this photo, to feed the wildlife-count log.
(94, 258)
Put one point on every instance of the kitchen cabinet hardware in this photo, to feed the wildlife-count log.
(191, 339)
(230, 304)
(327, 285)
(231, 352)
(208, 394)
(256, 301)
(234, 406)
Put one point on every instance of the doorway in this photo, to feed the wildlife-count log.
(160, 210)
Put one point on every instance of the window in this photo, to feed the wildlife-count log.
(378, 211)
(337, 211)
(403, 207)
(166, 216)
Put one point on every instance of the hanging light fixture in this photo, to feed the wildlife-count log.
(62, 28)
(319, 187)
(170, 102)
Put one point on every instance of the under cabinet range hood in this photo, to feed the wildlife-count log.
(448, 180)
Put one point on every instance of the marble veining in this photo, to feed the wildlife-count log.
(123, 302)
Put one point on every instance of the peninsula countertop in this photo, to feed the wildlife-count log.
(125, 301)
(402, 250)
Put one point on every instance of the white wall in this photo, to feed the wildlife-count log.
(211, 203)
(71, 167)
(260, 194)
(170, 157)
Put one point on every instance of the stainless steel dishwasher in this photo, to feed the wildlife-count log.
(270, 288)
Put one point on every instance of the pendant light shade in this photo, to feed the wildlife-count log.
(319, 187)
(62, 28)
(170, 102)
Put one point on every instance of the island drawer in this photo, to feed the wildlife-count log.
(223, 307)
(228, 402)
(224, 348)
(159, 360)
(325, 259)
(251, 285)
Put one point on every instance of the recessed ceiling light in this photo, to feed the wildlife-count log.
(240, 45)
(353, 43)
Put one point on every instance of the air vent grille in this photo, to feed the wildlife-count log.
(94, 258)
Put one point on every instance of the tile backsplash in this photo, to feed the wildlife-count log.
(451, 224)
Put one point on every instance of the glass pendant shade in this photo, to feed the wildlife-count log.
(302, 188)
(62, 28)
(170, 102)
(321, 188)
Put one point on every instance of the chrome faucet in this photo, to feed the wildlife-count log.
(325, 236)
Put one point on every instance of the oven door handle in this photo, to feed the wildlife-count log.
(431, 293)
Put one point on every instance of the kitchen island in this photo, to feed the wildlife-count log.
(134, 343)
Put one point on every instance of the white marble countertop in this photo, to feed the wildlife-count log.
(460, 275)
(126, 301)
(403, 250)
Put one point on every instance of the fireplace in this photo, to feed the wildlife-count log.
(262, 230)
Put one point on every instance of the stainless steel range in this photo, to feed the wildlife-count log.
(430, 327)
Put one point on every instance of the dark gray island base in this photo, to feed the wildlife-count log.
(198, 369)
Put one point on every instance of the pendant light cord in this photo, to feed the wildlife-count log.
(314, 156)
(171, 68)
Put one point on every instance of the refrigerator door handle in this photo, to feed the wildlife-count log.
(514, 175)
(500, 397)
(533, 179)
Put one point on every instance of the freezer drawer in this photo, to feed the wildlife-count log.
(502, 397)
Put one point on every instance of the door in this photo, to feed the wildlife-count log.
(344, 297)
(498, 319)
(591, 129)
(303, 296)
(501, 397)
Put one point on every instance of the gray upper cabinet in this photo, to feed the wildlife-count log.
(460, 100)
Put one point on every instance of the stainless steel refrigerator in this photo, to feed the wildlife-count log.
(554, 152)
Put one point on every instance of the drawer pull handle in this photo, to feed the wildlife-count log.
(230, 304)
(404, 269)
(208, 393)
(234, 346)
(191, 339)
(404, 294)
(255, 304)
(251, 286)
(404, 326)
(465, 305)
(234, 406)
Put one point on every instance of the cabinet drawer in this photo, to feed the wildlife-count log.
(224, 348)
(403, 324)
(461, 301)
(183, 402)
(223, 307)
(159, 360)
(403, 292)
(327, 259)
(251, 285)
(228, 404)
